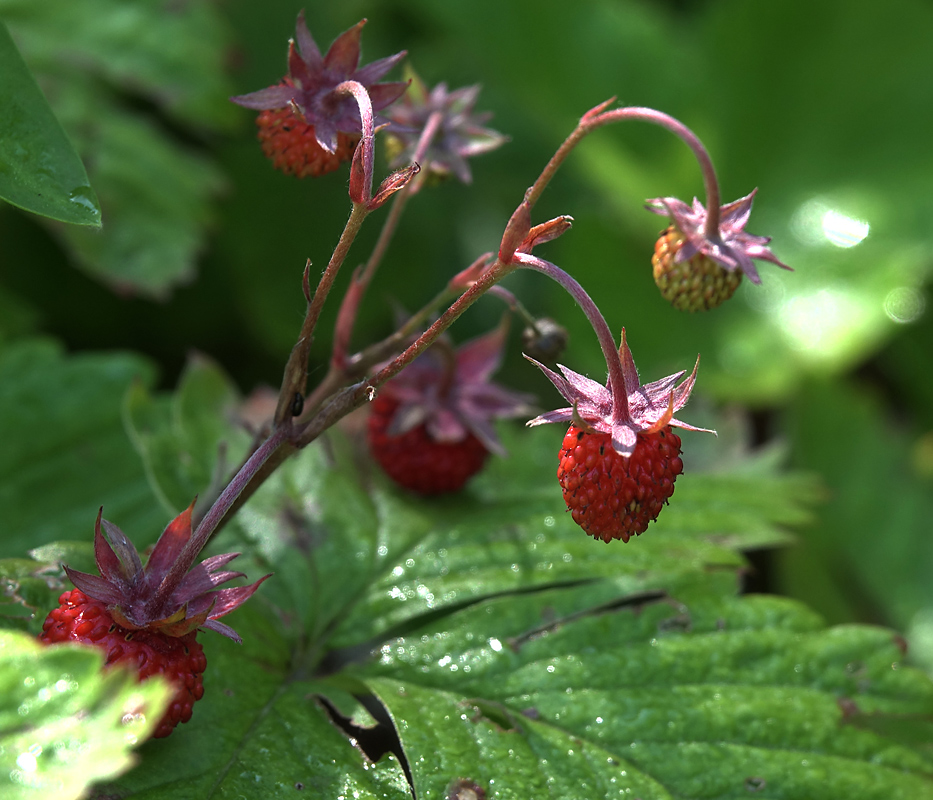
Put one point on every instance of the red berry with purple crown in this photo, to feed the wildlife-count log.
(148, 616)
(620, 456)
(431, 427)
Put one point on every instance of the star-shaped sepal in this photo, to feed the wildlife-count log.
(729, 245)
(310, 89)
(648, 407)
(167, 594)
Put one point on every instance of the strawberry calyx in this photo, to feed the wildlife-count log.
(169, 593)
(728, 244)
(646, 408)
(311, 89)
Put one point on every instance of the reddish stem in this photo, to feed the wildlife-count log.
(620, 409)
(597, 118)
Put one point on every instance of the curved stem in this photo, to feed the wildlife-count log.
(346, 400)
(598, 117)
(496, 272)
(287, 437)
(600, 326)
(361, 168)
(347, 316)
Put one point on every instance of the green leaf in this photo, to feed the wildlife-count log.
(712, 697)
(39, 169)
(99, 60)
(508, 532)
(259, 728)
(65, 723)
(175, 57)
(65, 452)
(514, 654)
(156, 198)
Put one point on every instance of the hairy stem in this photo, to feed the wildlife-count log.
(600, 326)
(598, 117)
(349, 308)
(296, 369)
(272, 447)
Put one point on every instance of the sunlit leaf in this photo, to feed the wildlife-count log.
(718, 699)
(65, 723)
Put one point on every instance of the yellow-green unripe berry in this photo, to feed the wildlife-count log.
(695, 284)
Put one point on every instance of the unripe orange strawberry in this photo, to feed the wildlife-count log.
(694, 284)
(308, 126)
(290, 144)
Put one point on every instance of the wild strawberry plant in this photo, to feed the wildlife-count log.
(444, 629)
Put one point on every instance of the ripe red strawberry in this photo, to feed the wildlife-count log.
(699, 260)
(80, 618)
(620, 458)
(148, 616)
(308, 126)
(430, 428)
(416, 461)
(694, 284)
(611, 496)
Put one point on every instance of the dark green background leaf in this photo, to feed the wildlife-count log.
(65, 452)
(190, 441)
(140, 89)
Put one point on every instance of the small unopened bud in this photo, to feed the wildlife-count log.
(544, 341)
(397, 180)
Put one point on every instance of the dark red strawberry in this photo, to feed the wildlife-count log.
(416, 461)
(430, 428)
(148, 616)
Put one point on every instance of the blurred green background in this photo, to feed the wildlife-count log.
(825, 106)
